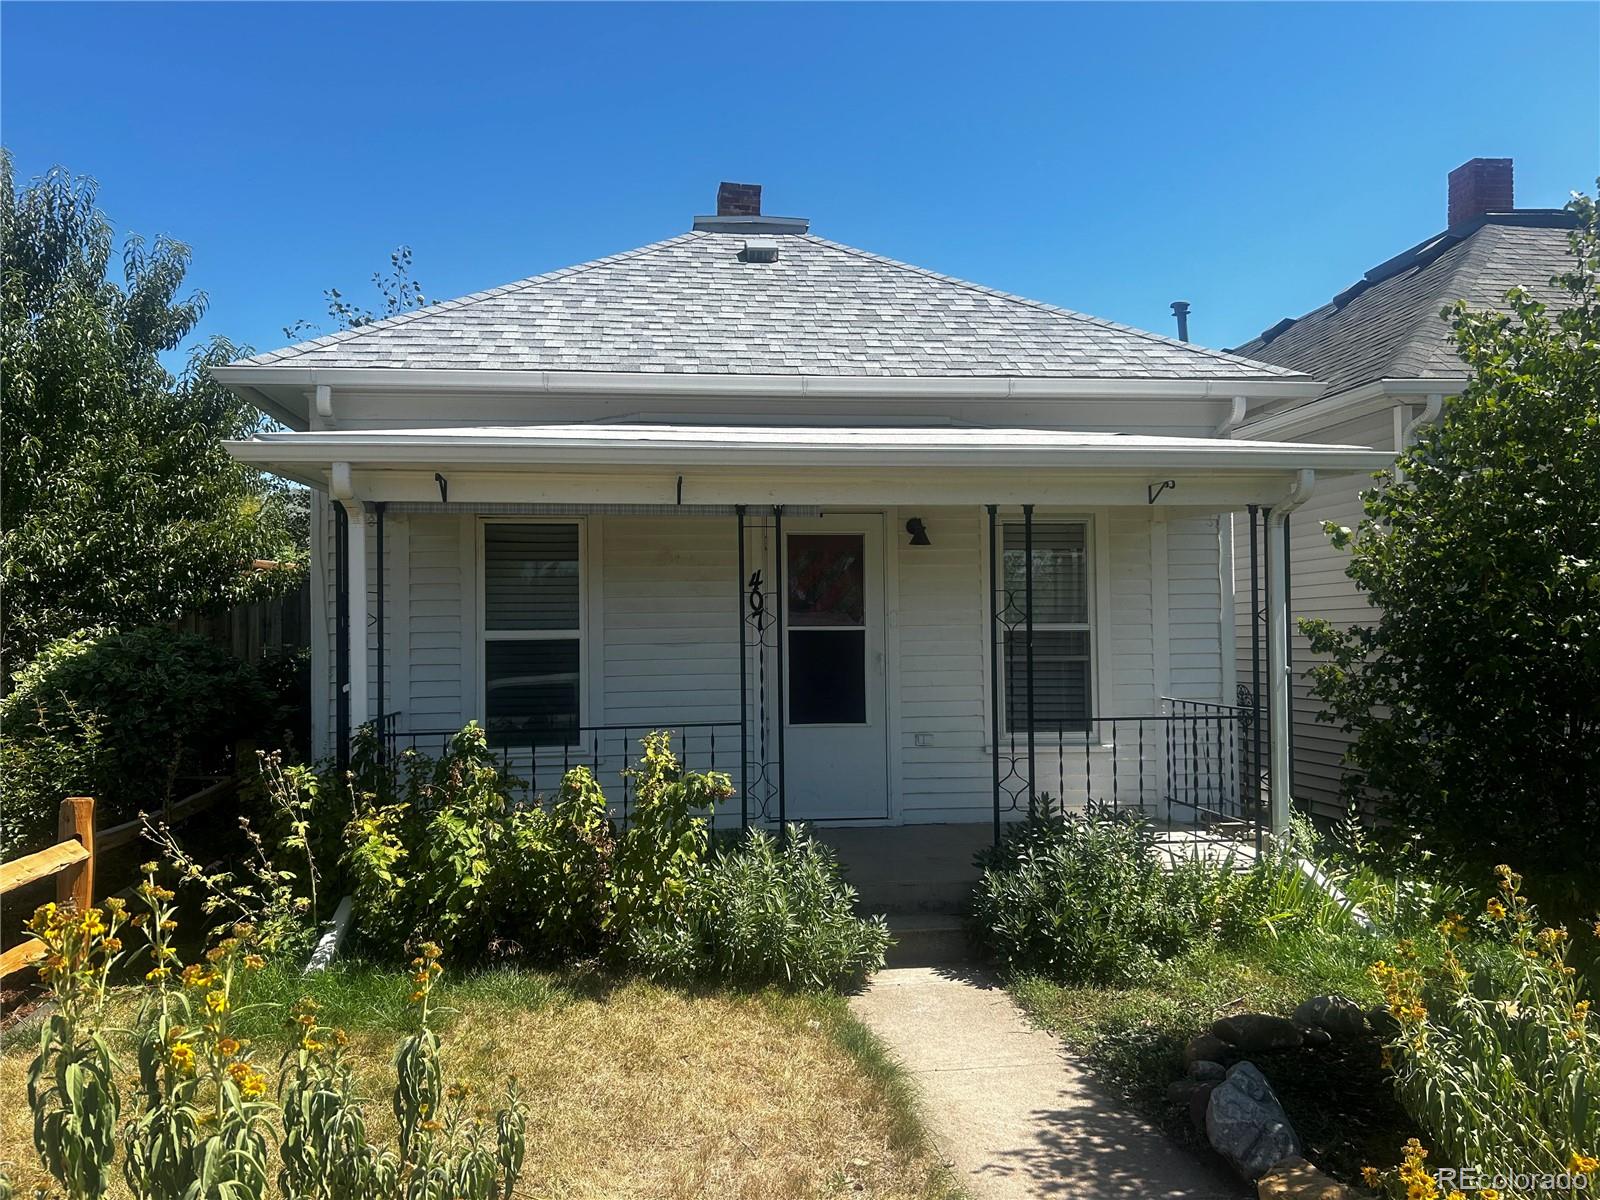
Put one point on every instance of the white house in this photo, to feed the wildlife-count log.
(778, 495)
(1384, 351)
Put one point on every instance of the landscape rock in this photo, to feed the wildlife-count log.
(1207, 1071)
(1179, 1090)
(1207, 1048)
(1257, 1033)
(1296, 1179)
(1382, 1022)
(1315, 1036)
(1199, 1101)
(1246, 1124)
(1339, 1015)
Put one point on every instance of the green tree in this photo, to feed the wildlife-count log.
(397, 293)
(1475, 694)
(121, 508)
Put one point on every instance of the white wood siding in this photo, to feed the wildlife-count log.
(1319, 588)
(662, 634)
(669, 648)
(441, 627)
(938, 631)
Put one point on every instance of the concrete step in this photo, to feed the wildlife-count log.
(928, 940)
(895, 896)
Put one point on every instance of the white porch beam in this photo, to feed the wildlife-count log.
(1280, 694)
(1198, 491)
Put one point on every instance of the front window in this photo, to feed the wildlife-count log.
(532, 633)
(1062, 693)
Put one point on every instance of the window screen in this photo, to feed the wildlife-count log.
(532, 641)
(1062, 676)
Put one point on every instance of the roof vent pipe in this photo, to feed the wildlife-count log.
(1180, 309)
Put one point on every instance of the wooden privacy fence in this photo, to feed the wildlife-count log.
(72, 859)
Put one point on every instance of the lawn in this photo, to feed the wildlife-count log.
(634, 1089)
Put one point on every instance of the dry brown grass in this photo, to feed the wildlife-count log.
(641, 1091)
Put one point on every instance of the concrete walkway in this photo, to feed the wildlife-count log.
(1009, 1111)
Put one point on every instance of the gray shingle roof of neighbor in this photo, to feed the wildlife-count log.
(691, 305)
(1387, 325)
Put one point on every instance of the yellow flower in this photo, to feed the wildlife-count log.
(1454, 926)
(1488, 1194)
(1583, 1164)
(1495, 909)
(250, 1082)
(1371, 1176)
(217, 1001)
(228, 1047)
(254, 961)
(181, 1055)
(157, 973)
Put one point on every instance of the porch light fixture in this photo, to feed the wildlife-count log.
(918, 532)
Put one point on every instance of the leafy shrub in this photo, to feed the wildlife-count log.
(766, 911)
(1091, 898)
(204, 1123)
(1497, 1057)
(434, 847)
(121, 717)
(1080, 899)
(444, 847)
(1473, 693)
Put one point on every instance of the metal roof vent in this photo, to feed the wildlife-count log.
(759, 250)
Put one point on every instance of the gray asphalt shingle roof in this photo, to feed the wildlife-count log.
(689, 305)
(1387, 326)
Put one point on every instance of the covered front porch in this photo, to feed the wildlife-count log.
(860, 626)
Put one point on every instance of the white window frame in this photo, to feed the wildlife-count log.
(1089, 627)
(487, 635)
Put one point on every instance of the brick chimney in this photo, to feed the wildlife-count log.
(1478, 186)
(744, 199)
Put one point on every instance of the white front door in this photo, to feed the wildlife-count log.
(835, 720)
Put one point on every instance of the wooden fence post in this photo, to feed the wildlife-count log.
(75, 884)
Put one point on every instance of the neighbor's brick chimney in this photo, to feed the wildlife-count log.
(739, 200)
(1478, 186)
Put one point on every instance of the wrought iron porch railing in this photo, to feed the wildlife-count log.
(605, 749)
(1193, 768)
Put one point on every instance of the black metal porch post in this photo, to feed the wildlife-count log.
(1255, 674)
(996, 648)
(1288, 639)
(1027, 576)
(1260, 617)
(341, 636)
(377, 509)
(783, 679)
(744, 685)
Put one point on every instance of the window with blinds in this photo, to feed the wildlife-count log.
(1062, 689)
(532, 633)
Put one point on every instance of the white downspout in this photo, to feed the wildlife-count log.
(1226, 583)
(1280, 708)
(1405, 433)
(342, 490)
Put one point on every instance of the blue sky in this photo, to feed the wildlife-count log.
(1252, 159)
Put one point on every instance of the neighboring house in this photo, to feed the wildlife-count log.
(776, 494)
(1383, 349)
